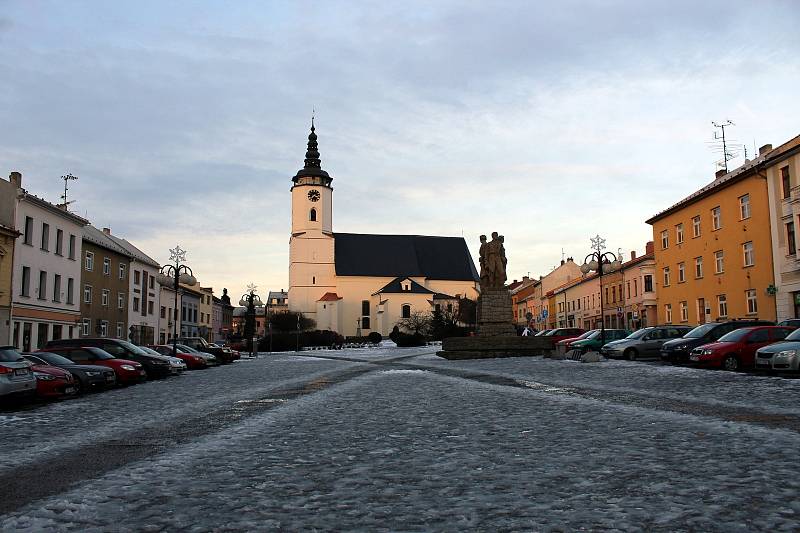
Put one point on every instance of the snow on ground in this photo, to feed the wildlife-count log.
(776, 395)
(419, 452)
(30, 435)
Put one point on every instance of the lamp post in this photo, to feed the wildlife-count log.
(174, 274)
(602, 263)
(250, 299)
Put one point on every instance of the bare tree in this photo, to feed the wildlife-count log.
(417, 323)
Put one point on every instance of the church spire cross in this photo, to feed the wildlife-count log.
(312, 166)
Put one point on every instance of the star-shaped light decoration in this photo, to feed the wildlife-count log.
(177, 254)
(251, 287)
(598, 243)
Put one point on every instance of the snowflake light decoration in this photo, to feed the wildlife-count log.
(598, 243)
(177, 254)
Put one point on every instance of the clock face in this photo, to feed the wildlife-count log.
(313, 195)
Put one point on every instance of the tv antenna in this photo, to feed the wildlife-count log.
(727, 155)
(67, 179)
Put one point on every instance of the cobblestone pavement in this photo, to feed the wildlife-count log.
(397, 439)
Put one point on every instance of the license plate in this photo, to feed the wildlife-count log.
(109, 378)
(21, 372)
(69, 390)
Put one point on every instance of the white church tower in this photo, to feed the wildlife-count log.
(312, 272)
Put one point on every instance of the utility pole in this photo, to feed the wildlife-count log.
(726, 156)
(66, 179)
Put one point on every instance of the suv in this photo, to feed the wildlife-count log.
(677, 350)
(737, 349)
(645, 342)
(223, 355)
(156, 366)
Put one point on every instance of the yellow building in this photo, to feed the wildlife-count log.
(713, 252)
(205, 308)
(7, 237)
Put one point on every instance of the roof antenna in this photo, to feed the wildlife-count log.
(67, 179)
(726, 155)
(313, 112)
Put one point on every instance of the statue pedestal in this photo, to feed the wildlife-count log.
(495, 314)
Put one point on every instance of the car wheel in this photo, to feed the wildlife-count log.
(731, 363)
(79, 388)
(630, 354)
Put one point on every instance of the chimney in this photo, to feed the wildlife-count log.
(16, 179)
(721, 172)
(764, 149)
(633, 255)
(107, 231)
(514, 281)
(526, 278)
(648, 248)
(562, 261)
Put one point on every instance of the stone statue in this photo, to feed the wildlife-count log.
(493, 262)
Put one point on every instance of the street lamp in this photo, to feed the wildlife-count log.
(602, 263)
(174, 274)
(250, 300)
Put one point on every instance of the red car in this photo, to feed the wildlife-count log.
(52, 382)
(560, 334)
(737, 349)
(565, 344)
(193, 361)
(127, 372)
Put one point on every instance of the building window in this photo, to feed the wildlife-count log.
(719, 262)
(57, 288)
(120, 300)
(681, 272)
(87, 294)
(666, 278)
(89, 264)
(679, 234)
(406, 311)
(312, 215)
(106, 266)
(365, 322)
(696, 226)
(365, 308)
(42, 285)
(752, 304)
(648, 283)
(635, 287)
(790, 242)
(163, 312)
(668, 313)
(70, 290)
(26, 281)
(664, 240)
(716, 218)
(749, 258)
(684, 312)
(152, 282)
(45, 237)
(28, 231)
(135, 303)
(59, 242)
(119, 330)
(104, 298)
(121, 271)
(136, 276)
(744, 206)
(722, 304)
(150, 307)
(104, 328)
(72, 247)
(786, 182)
(87, 327)
(698, 267)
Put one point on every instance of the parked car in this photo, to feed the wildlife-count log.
(543, 333)
(560, 334)
(127, 372)
(193, 361)
(793, 323)
(564, 345)
(211, 359)
(176, 364)
(53, 382)
(643, 343)
(783, 355)
(737, 350)
(156, 366)
(595, 341)
(86, 377)
(223, 355)
(677, 350)
(16, 376)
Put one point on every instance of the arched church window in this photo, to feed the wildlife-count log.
(312, 215)
(406, 311)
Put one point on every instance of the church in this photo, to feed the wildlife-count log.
(357, 283)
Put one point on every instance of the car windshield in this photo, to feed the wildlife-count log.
(133, 348)
(149, 351)
(735, 335)
(585, 335)
(700, 331)
(99, 354)
(793, 336)
(594, 334)
(186, 349)
(10, 355)
(542, 333)
(638, 334)
(54, 358)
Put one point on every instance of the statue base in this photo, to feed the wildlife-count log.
(495, 313)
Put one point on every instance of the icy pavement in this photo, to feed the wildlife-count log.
(413, 450)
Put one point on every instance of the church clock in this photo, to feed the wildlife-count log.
(313, 195)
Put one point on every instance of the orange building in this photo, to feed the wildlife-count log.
(713, 252)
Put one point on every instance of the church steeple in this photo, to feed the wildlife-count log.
(312, 167)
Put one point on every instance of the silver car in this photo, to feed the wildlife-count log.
(643, 343)
(16, 376)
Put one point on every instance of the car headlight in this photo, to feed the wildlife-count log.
(786, 353)
(43, 376)
(127, 367)
(707, 352)
(92, 373)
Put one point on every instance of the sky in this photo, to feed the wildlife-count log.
(548, 122)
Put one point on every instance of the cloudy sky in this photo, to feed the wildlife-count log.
(546, 121)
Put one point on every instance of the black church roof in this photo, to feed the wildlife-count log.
(443, 258)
